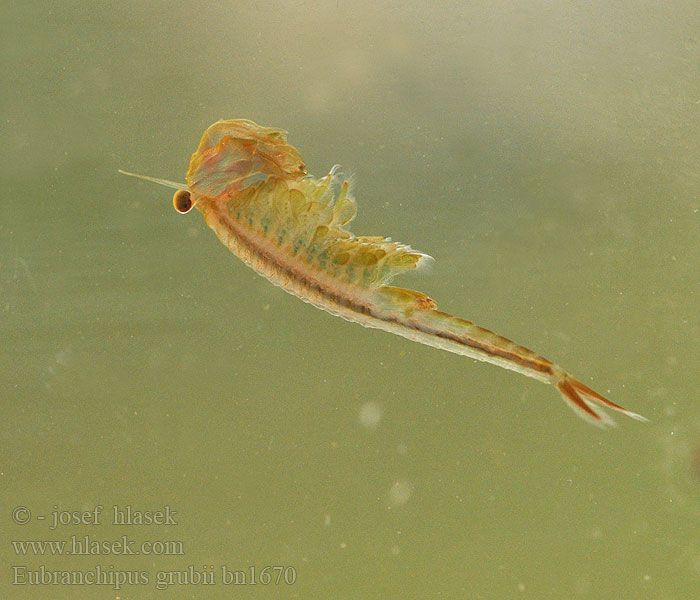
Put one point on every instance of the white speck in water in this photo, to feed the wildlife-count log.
(65, 356)
(582, 586)
(370, 415)
(399, 493)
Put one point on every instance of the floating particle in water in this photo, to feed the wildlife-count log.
(679, 481)
(400, 493)
(680, 466)
(370, 415)
(694, 460)
(58, 363)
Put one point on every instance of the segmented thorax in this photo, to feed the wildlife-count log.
(267, 192)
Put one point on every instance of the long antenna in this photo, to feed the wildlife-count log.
(172, 184)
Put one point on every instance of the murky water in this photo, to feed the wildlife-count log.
(545, 154)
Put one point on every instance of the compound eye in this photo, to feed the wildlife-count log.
(182, 201)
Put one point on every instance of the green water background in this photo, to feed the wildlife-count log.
(546, 154)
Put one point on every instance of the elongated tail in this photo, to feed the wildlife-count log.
(415, 316)
(585, 402)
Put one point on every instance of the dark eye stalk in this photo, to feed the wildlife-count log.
(182, 201)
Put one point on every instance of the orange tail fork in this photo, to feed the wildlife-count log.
(586, 403)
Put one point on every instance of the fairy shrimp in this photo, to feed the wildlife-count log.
(254, 191)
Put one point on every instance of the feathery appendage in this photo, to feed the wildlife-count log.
(266, 190)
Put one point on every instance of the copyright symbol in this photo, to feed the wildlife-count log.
(21, 515)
